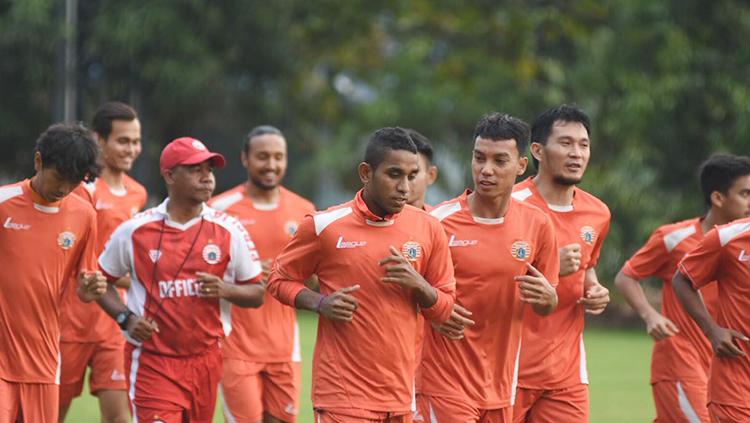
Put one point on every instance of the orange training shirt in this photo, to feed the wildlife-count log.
(724, 256)
(269, 334)
(553, 355)
(368, 363)
(679, 357)
(81, 322)
(487, 254)
(42, 245)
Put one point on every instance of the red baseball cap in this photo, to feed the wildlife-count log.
(188, 151)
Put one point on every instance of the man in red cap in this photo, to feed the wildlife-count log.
(187, 263)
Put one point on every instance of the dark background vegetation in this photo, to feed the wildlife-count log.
(666, 84)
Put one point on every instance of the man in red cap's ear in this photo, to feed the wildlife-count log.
(186, 262)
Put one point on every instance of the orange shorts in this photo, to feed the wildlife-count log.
(431, 409)
(680, 401)
(28, 402)
(360, 416)
(250, 389)
(721, 413)
(173, 389)
(107, 364)
(569, 405)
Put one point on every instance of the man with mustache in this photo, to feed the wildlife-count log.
(552, 377)
(261, 380)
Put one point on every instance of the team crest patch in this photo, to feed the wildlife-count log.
(520, 250)
(66, 240)
(411, 250)
(211, 253)
(588, 234)
(290, 227)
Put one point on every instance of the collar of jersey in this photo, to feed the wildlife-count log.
(162, 210)
(370, 217)
(40, 203)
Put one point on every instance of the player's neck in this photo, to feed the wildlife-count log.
(418, 203)
(712, 218)
(113, 178)
(552, 192)
(182, 211)
(262, 196)
(488, 207)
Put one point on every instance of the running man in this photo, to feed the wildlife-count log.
(378, 261)
(681, 357)
(262, 378)
(47, 237)
(187, 263)
(501, 250)
(553, 379)
(89, 337)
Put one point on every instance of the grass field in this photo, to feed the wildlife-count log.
(618, 363)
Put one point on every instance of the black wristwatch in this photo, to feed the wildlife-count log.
(122, 319)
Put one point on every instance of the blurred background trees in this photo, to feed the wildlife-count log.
(666, 84)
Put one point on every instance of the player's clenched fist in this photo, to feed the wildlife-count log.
(570, 259)
(536, 290)
(141, 328)
(212, 286)
(91, 285)
(339, 306)
(454, 327)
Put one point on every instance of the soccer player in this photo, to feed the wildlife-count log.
(46, 236)
(428, 172)
(682, 354)
(261, 379)
(377, 260)
(469, 374)
(552, 378)
(89, 337)
(186, 263)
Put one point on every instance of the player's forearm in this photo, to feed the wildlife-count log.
(545, 309)
(111, 302)
(633, 292)
(442, 307)
(246, 296)
(692, 302)
(123, 282)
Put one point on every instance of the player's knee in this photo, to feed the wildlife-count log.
(116, 417)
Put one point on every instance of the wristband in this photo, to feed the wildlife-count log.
(320, 301)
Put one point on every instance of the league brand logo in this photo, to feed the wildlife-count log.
(154, 255)
(211, 253)
(453, 242)
(349, 244)
(520, 250)
(66, 239)
(588, 234)
(411, 250)
(290, 228)
(743, 257)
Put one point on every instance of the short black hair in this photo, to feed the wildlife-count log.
(385, 139)
(423, 144)
(108, 112)
(501, 126)
(71, 150)
(719, 172)
(258, 131)
(541, 128)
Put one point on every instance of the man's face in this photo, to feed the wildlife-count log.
(192, 182)
(265, 161)
(123, 145)
(735, 204)
(495, 166)
(426, 177)
(388, 185)
(566, 154)
(50, 185)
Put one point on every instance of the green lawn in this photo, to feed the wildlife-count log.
(618, 364)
